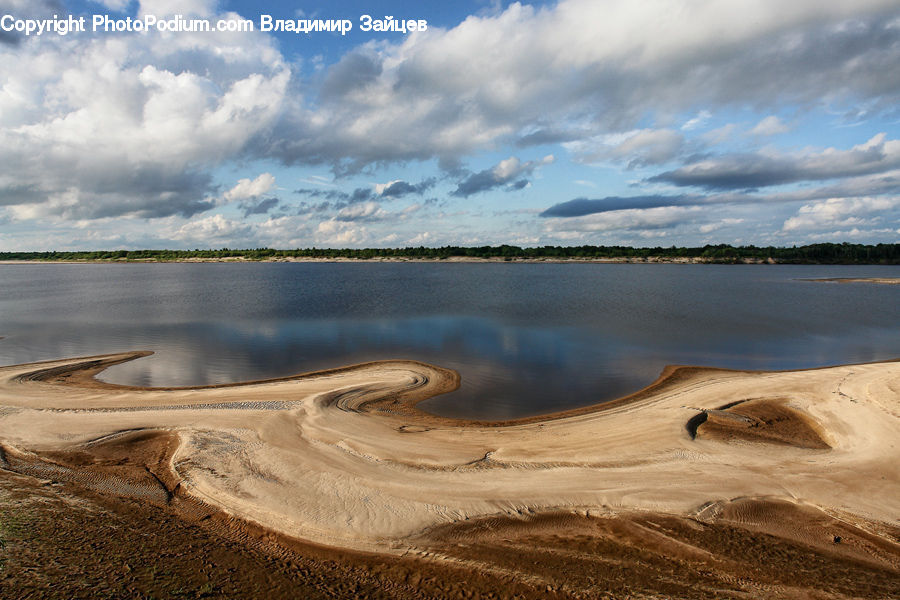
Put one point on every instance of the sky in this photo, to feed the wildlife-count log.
(602, 122)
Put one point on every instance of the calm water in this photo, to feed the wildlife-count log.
(527, 338)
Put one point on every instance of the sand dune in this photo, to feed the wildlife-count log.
(343, 458)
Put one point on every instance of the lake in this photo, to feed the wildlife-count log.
(526, 338)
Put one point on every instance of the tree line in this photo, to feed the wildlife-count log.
(722, 253)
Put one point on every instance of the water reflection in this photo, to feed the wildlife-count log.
(526, 338)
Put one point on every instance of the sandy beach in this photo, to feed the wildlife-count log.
(343, 459)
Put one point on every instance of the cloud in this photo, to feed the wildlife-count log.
(840, 212)
(702, 117)
(26, 9)
(720, 224)
(118, 5)
(139, 126)
(123, 125)
(163, 8)
(770, 125)
(742, 171)
(583, 206)
(492, 78)
(650, 219)
(399, 188)
(351, 75)
(260, 207)
(506, 172)
(212, 229)
(720, 134)
(338, 233)
(335, 199)
(638, 148)
(549, 136)
(365, 211)
(247, 189)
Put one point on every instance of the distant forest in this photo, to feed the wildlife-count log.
(722, 253)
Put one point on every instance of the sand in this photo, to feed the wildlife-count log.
(343, 459)
(878, 280)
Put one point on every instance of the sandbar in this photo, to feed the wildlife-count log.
(343, 458)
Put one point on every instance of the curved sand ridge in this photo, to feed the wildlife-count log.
(343, 458)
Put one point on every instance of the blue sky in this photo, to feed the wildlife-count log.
(646, 123)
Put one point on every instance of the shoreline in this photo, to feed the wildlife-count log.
(393, 259)
(651, 260)
(342, 460)
(878, 280)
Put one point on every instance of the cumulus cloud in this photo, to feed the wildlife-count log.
(509, 172)
(365, 211)
(339, 233)
(840, 212)
(99, 127)
(492, 78)
(247, 189)
(113, 125)
(212, 229)
(741, 171)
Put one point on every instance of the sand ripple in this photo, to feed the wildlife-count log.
(344, 458)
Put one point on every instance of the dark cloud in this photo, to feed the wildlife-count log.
(399, 189)
(9, 38)
(750, 171)
(338, 198)
(477, 182)
(21, 194)
(353, 72)
(580, 207)
(508, 173)
(260, 207)
(146, 192)
(36, 9)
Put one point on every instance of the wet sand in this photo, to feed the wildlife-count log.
(879, 280)
(709, 483)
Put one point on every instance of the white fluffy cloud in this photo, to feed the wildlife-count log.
(247, 189)
(603, 65)
(840, 212)
(129, 125)
(211, 230)
(113, 126)
(363, 211)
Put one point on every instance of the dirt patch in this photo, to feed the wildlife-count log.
(70, 536)
(769, 421)
(638, 554)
